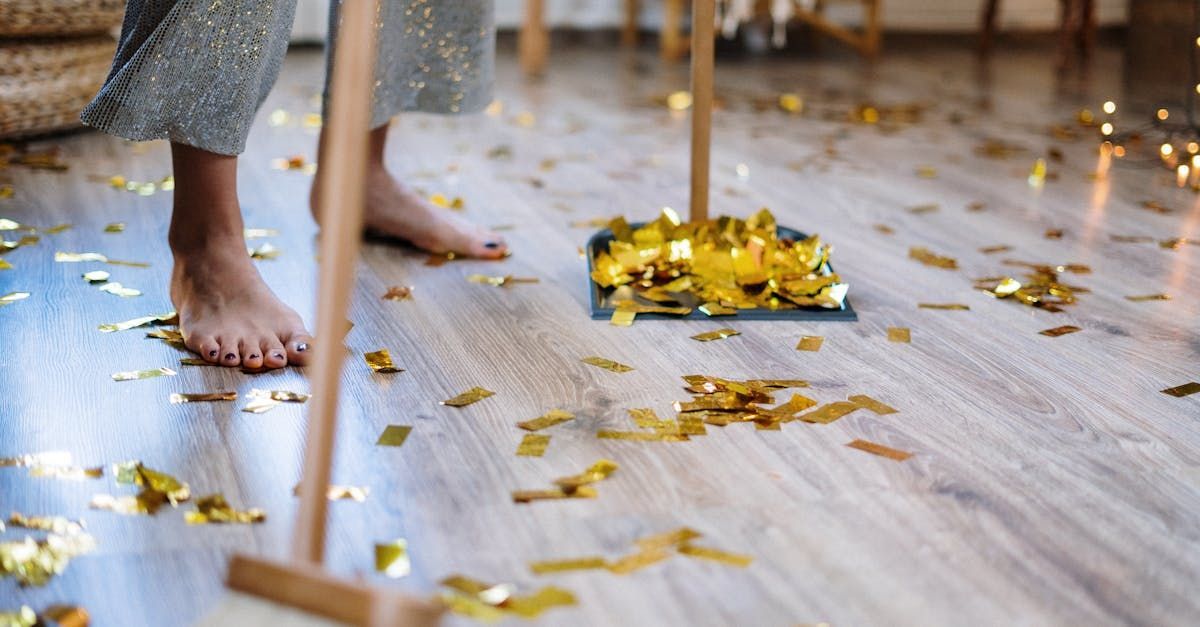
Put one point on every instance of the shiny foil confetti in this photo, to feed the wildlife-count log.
(490, 602)
(258, 233)
(472, 395)
(607, 364)
(171, 337)
(134, 375)
(528, 496)
(262, 401)
(5, 265)
(622, 318)
(65, 616)
(549, 419)
(1148, 297)
(117, 289)
(214, 509)
(1179, 391)
(1059, 331)
(866, 402)
(158, 489)
(596, 472)
(716, 555)
(533, 445)
(930, 258)
(810, 343)
(399, 292)
(393, 435)
(719, 334)
(568, 565)
(927, 208)
(944, 306)
(880, 450)
(381, 361)
(35, 562)
(391, 558)
(53, 524)
(641, 436)
(48, 458)
(717, 309)
(729, 262)
(115, 227)
(12, 297)
(265, 251)
(899, 334)
(638, 561)
(202, 397)
(358, 494)
(441, 200)
(167, 318)
(96, 276)
(72, 473)
(830, 412)
(499, 281)
(62, 257)
(989, 250)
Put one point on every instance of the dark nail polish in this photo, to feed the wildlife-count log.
(492, 245)
(254, 357)
(278, 355)
(229, 355)
(301, 347)
(212, 353)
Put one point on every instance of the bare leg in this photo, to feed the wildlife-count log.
(395, 210)
(227, 313)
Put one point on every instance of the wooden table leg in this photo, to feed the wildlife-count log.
(629, 32)
(533, 42)
(672, 46)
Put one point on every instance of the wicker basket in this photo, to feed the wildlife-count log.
(58, 18)
(44, 84)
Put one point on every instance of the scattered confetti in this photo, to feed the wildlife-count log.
(499, 281)
(879, 449)
(391, 558)
(1057, 331)
(134, 375)
(928, 208)
(399, 292)
(549, 419)
(1186, 389)
(166, 318)
(989, 250)
(944, 306)
(262, 401)
(811, 343)
(1148, 297)
(12, 297)
(214, 509)
(62, 257)
(533, 445)
(115, 227)
(574, 486)
(117, 289)
(719, 334)
(381, 361)
(607, 364)
(899, 334)
(929, 258)
(393, 435)
(265, 251)
(201, 397)
(489, 603)
(158, 489)
(472, 395)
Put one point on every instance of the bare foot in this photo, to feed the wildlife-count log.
(228, 315)
(394, 210)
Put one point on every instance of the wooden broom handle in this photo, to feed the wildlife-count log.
(703, 17)
(341, 171)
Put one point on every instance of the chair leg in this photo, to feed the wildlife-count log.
(672, 46)
(987, 26)
(872, 34)
(533, 42)
(629, 32)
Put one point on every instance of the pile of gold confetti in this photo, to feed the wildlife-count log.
(33, 562)
(1041, 287)
(719, 266)
(492, 602)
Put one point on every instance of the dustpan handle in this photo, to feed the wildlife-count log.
(340, 202)
(703, 18)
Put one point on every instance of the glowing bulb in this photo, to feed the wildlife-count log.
(1110, 107)
(1119, 151)
(1162, 114)
(1193, 147)
(1106, 128)
(1198, 88)
(1198, 41)
(1196, 161)
(1166, 150)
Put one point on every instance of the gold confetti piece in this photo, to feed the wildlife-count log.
(927, 208)
(399, 292)
(596, 472)
(66, 616)
(167, 318)
(1148, 297)
(533, 445)
(262, 401)
(643, 436)
(260, 405)
(879, 449)
(96, 276)
(214, 509)
(811, 343)
(114, 227)
(551, 418)
(24, 616)
(667, 539)
(471, 607)
(472, 395)
(885, 229)
(158, 489)
(561, 566)
(5, 265)
(528, 496)
(266, 251)
(391, 558)
(35, 563)
(899, 334)
(173, 337)
(134, 375)
(358, 494)
(62, 257)
(866, 402)
(645, 418)
(791, 103)
(73, 473)
(719, 334)
(1037, 174)
(1131, 239)
(6, 191)
(259, 233)
(622, 318)
(12, 297)
(716, 555)
(826, 414)
(202, 397)
(631, 306)
(381, 361)
(929, 258)
(440, 200)
(1057, 331)
(1001, 248)
(48, 458)
(194, 361)
(53, 524)
(499, 281)
(944, 306)
(607, 364)
(927, 172)
(117, 289)
(717, 309)
(1187, 389)
(56, 229)
(637, 561)
(793, 406)
(393, 435)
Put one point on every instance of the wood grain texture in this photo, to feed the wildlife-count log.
(1051, 483)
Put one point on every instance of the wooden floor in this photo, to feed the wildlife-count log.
(1052, 483)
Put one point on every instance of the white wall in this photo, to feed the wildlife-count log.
(911, 15)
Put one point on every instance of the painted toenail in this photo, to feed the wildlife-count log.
(254, 357)
(278, 355)
(212, 353)
(491, 245)
(229, 355)
(301, 347)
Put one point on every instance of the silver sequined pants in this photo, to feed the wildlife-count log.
(196, 71)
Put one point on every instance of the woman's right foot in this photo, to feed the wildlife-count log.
(228, 315)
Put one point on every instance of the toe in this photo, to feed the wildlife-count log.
(274, 354)
(299, 348)
(252, 356)
(205, 346)
(489, 246)
(229, 354)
